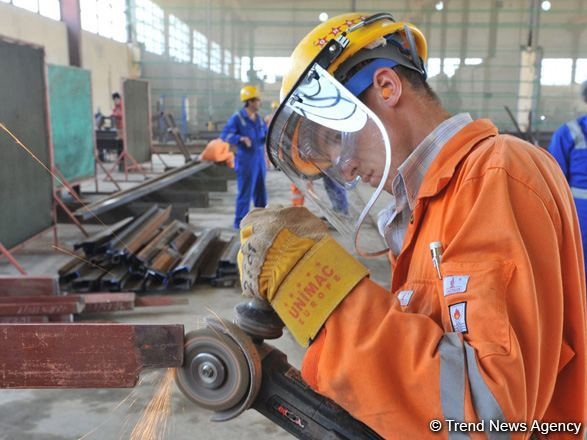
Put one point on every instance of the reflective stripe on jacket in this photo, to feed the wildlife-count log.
(501, 337)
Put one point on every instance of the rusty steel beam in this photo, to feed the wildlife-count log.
(159, 300)
(195, 251)
(108, 302)
(40, 305)
(85, 355)
(126, 196)
(164, 261)
(146, 233)
(23, 319)
(27, 285)
(160, 241)
(118, 241)
(100, 242)
(183, 241)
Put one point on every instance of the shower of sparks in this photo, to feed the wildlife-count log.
(153, 422)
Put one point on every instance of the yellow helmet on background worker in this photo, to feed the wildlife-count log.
(249, 92)
(358, 31)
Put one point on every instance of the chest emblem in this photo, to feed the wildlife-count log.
(458, 317)
(455, 284)
(404, 297)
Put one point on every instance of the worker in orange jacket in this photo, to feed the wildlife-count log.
(218, 151)
(483, 332)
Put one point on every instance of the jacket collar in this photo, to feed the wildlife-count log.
(454, 151)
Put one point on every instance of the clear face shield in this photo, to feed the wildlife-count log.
(337, 152)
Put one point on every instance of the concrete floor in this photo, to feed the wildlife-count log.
(93, 414)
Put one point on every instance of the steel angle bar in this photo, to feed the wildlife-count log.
(89, 278)
(118, 241)
(163, 262)
(183, 241)
(193, 254)
(101, 241)
(96, 355)
(72, 269)
(145, 234)
(123, 197)
(208, 267)
(228, 257)
(168, 234)
(113, 279)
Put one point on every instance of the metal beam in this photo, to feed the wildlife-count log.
(126, 196)
(85, 355)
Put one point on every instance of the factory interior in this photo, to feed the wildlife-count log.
(111, 233)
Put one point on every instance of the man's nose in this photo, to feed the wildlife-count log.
(349, 168)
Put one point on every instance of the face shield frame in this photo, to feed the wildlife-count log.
(306, 170)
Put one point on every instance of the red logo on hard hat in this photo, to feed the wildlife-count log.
(334, 31)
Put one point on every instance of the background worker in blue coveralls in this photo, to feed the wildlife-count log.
(247, 130)
(569, 148)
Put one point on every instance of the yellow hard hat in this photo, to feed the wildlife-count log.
(407, 45)
(249, 92)
(274, 105)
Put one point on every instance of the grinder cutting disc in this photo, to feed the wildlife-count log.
(215, 374)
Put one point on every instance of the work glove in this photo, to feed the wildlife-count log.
(288, 258)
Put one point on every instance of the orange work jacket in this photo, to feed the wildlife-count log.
(500, 338)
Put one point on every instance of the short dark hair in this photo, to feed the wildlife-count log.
(417, 81)
(116, 95)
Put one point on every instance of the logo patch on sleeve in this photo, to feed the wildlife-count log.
(404, 297)
(455, 284)
(458, 316)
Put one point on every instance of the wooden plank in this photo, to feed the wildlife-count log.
(95, 355)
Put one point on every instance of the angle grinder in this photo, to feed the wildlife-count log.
(228, 368)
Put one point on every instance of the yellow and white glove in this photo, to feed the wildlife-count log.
(288, 258)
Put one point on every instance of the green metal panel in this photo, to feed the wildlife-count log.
(72, 130)
(25, 182)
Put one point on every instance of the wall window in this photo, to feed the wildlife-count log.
(581, 70)
(215, 57)
(200, 55)
(237, 68)
(556, 71)
(451, 65)
(267, 69)
(46, 8)
(150, 26)
(105, 17)
(227, 62)
(179, 40)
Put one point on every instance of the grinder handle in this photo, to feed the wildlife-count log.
(288, 401)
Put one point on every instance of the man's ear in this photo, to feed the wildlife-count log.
(387, 85)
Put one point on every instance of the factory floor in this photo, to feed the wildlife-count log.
(108, 414)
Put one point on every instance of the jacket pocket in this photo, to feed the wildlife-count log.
(473, 302)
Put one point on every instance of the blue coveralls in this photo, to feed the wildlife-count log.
(569, 148)
(250, 165)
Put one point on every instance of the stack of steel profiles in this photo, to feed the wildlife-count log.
(150, 253)
(39, 299)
